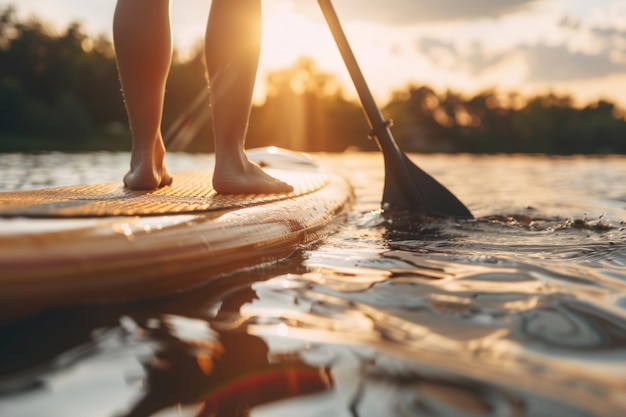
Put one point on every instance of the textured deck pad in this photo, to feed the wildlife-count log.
(190, 192)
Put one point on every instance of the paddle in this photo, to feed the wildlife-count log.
(407, 187)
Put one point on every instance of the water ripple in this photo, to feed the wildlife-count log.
(521, 312)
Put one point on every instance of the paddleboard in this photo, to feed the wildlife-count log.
(103, 242)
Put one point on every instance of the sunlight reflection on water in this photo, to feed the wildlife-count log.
(519, 312)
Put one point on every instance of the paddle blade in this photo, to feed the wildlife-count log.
(408, 187)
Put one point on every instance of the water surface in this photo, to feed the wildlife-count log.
(521, 312)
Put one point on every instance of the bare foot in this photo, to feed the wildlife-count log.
(249, 179)
(147, 177)
(147, 170)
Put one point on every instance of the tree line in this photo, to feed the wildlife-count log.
(61, 92)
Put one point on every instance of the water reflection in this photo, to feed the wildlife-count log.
(148, 366)
(521, 312)
(226, 374)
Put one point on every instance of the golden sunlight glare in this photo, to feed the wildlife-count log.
(288, 36)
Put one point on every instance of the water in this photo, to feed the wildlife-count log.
(521, 312)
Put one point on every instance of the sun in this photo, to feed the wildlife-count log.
(288, 36)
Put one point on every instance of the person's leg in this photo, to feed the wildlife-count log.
(233, 39)
(143, 48)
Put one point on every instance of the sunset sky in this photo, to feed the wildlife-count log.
(573, 46)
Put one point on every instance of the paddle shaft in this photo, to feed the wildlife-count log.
(377, 122)
(407, 187)
(380, 126)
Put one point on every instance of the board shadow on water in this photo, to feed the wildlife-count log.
(521, 312)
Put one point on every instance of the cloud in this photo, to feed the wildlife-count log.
(545, 63)
(447, 55)
(570, 22)
(610, 40)
(606, 32)
(407, 12)
(558, 64)
(576, 50)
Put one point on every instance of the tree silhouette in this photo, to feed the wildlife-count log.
(61, 92)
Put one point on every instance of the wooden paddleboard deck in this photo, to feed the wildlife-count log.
(105, 243)
(190, 192)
